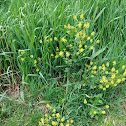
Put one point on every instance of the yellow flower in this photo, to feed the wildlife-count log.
(103, 112)
(70, 60)
(50, 117)
(104, 77)
(101, 87)
(65, 26)
(54, 110)
(87, 25)
(42, 120)
(67, 124)
(91, 47)
(101, 81)
(84, 35)
(53, 115)
(35, 61)
(92, 76)
(113, 69)
(40, 41)
(58, 119)
(62, 119)
(48, 125)
(81, 50)
(107, 64)
(103, 65)
(54, 123)
(64, 49)
(22, 52)
(80, 45)
(124, 74)
(91, 63)
(22, 59)
(68, 121)
(39, 58)
(56, 56)
(68, 26)
(58, 115)
(81, 16)
(57, 48)
(113, 76)
(100, 67)
(83, 84)
(85, 101)
(37, 69)
(68, 32)
(31, 56)
(51, 39)
(79, 25)
(67, 54)
(85, 46)
(106, 72)
(64, 40)
(107, 86)
(107, 106)
(52, 55)
(77, 53)
(97, 41)
(61, 124)
(95, 72)
(119, 80)
(55, 38)
(70, 45)
(71, 121)
(116, 71)
(115, 85)
(94, 112)
(95, 67)
(123, 67)
(91, 40)
(112, 82)
(92, 33)
(40, 123)
(114, 62)
(83, 54)
(75, 18)
(77, 35)
(104, 89)
(47, 105)
(75, 30)
(46, 115)
(123, 79)
(88, 38)
(61, 53)
(103, 68)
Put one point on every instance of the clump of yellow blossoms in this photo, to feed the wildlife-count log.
(53, 118)
(77, 43)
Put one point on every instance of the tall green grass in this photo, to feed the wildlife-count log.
(24, 23)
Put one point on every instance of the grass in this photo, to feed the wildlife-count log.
(25, 92)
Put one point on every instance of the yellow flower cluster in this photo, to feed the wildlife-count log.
(109, 75)
(54, 119)
(80, 44)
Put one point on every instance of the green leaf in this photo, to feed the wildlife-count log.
(98, 52)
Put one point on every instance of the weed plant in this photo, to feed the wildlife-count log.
(70, 55)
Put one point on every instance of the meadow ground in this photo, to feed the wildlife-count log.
(63, 62)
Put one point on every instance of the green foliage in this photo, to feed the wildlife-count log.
(70, 54)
